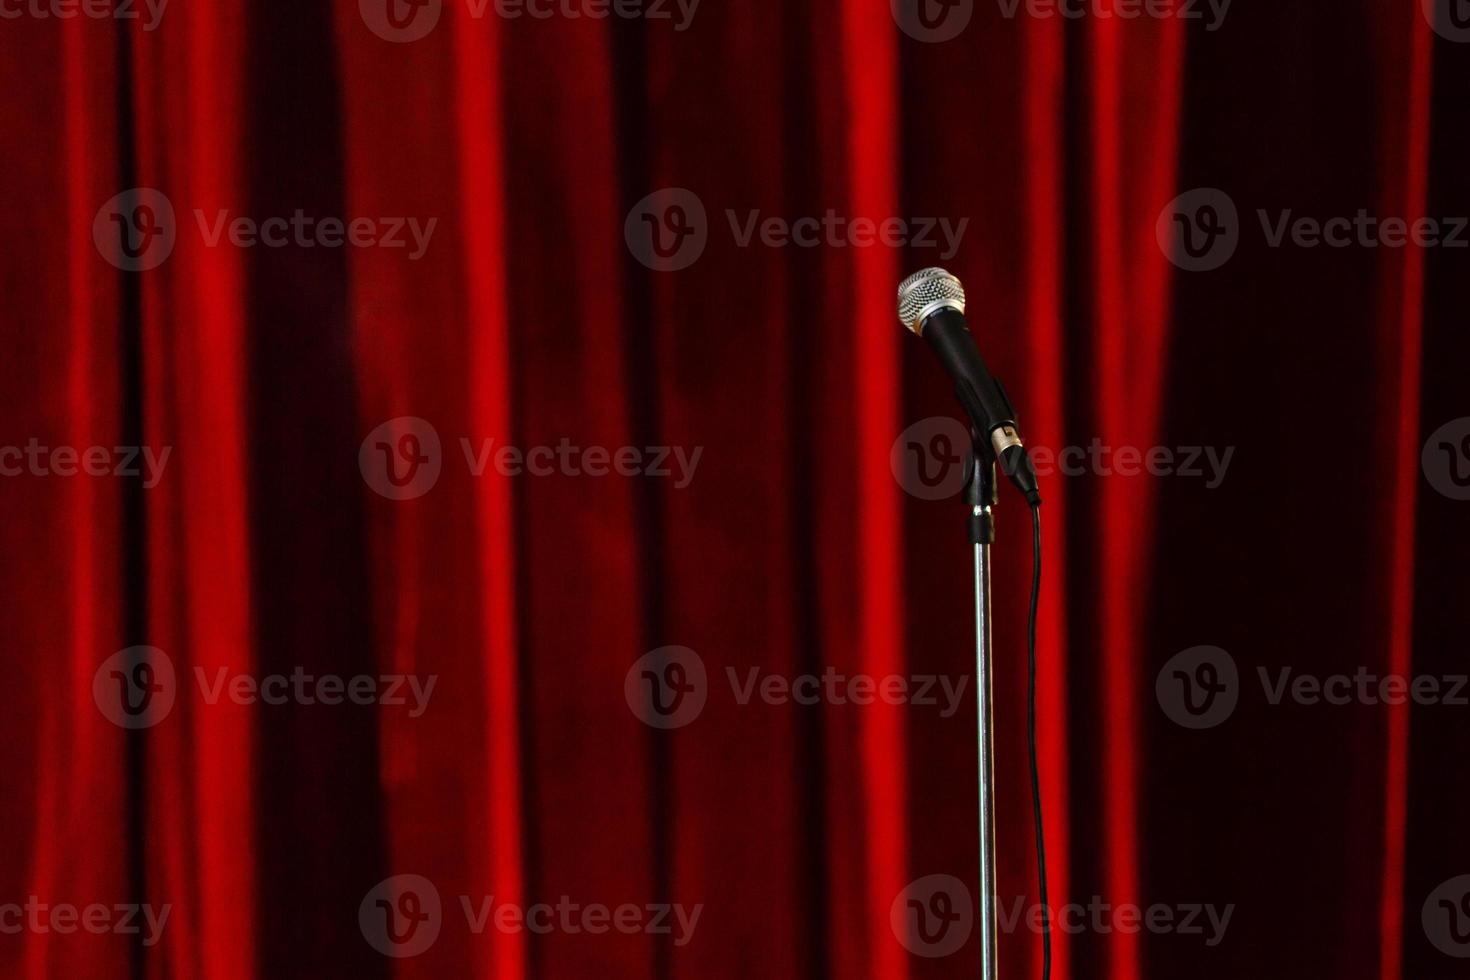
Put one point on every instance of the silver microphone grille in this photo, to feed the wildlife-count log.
(926, 291)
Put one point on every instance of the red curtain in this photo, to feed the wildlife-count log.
(262, 549)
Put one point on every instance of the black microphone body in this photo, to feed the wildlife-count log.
(941, 322)
(984, 400)
(982, 396)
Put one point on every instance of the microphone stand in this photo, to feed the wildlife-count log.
(980, 496)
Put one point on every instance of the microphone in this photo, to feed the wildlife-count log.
(931, 303)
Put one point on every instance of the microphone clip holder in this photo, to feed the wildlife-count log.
(981, 489)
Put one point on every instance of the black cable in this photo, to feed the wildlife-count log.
(1031, 738)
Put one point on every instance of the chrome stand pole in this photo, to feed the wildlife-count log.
(981, 497)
